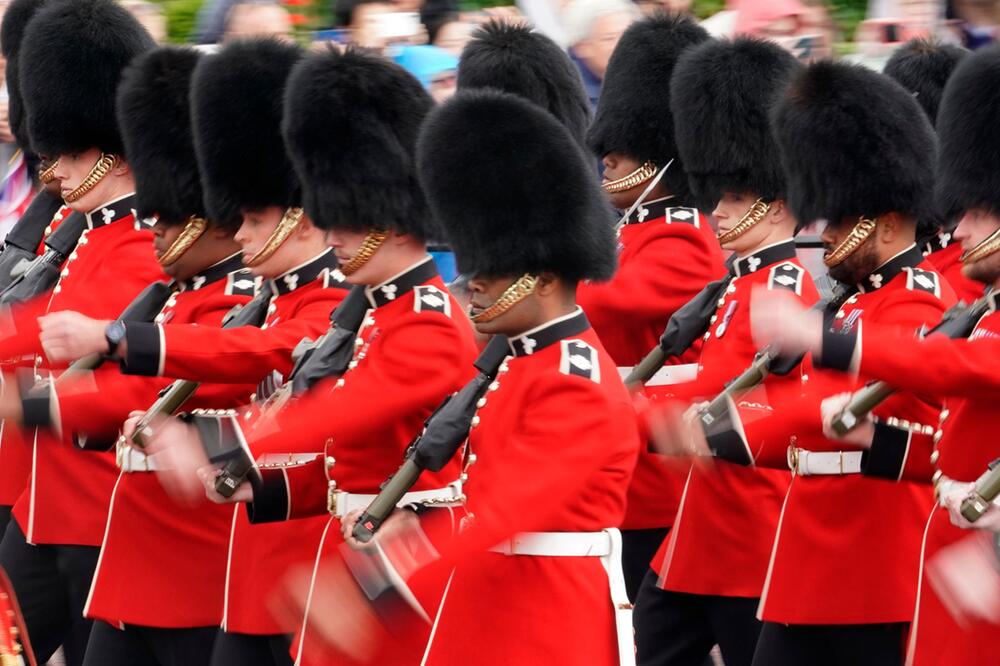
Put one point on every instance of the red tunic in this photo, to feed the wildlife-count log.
(556, 444)
(185, 587)
(730, 510)
(837, 560)
(663, 262)
(66, 501)
(15, 453)
(415, 348)
(964, 372)
(944, 257)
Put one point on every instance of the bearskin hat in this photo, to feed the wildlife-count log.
(923, 68)
(633, 113)
(15, 21)
(513, 191)
(847, 156)
(721, 96)
(236, 107)
(155, 120)
(514, 59)
(969, 135)
(70, 62)
(351, 125)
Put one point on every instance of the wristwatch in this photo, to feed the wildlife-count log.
(114, 334)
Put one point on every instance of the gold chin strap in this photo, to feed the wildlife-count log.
(646, 171)
(289, 222)
(985, 248)
(191, 232)
(372, 242)
(859, 234)
(511, 296)
(46, 176)
(754, 214)
(105, 163)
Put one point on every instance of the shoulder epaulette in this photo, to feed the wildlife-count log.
(786, 275)
(579, 359)
(917, 279)
(241, 283)
(683, 214)
(428, 298)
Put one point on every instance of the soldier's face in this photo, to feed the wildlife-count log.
(976, 226)
(858, 265)
(730, 211)
(253, 234)
(163, 237)
(619, 165)
(376, 270)
(484, 292)
(72, 170)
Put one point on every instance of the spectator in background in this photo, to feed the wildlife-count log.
(975, 21)
(150, 16)
(452, 33)
(435, 69)
(430, 13)
(801, 27)
(593, 28)
(258, 19)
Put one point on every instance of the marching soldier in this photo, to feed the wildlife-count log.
(959, 447)
(841, 580)
(923, 68)
(554, 438)
(74, 51)
(667, 249)
(722, 93)
(351, 123)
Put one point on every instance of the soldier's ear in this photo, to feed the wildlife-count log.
(548, 283)
(779, 212)
(121, 168)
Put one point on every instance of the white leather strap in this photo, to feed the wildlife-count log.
(132, 461)
(341, 503)
(815, 463)
(606, 545)
(667, 375)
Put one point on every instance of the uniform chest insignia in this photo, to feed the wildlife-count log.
(291, 281)
(786, 275)
(642, 213)
(683, 214)
(428, 298)
(876, 280)
(389, 291)
(918, 279)
(754, 263)
(241, 283)
(107, 215)
(850, 320)
(579, 359)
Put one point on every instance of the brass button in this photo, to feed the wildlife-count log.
(934, 456)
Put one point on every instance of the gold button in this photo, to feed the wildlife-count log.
(480, 403)
(934, 456)
(475, 421)
(713, 319)
(938, 434)
(937, 476)
(330, 461)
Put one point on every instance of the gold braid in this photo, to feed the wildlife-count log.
(288, 223)
(754, 215)
(859, 234)
(372, 242)
(511, 296)
(46, 176)
(645, 171)
(189, 235)
(983, 249)
(105, 163)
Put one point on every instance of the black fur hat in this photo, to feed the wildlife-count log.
(70, 62)
(513, 191)
(969, 133)
(15, 21)
(515, 59)
(633, 114)
(721, 95)
(853, 142)
(155, 120)
(351, 125)
(236, 107)
(923, 68)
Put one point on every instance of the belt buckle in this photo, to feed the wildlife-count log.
(793, 458)
(333, 495)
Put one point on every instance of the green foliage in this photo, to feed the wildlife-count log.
(181, 17)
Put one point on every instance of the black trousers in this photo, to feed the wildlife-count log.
(4, 518)
(831, 645)
(245, 649)
(52, 584)
(638, 548)
(677, 629)
(149, 646)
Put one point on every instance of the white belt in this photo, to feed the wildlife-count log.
(340, 503)
(606, 545)
(667, 375)
(813, 463)
(130, 460)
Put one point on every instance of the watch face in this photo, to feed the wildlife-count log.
(115, 332)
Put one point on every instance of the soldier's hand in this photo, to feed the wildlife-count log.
(861, 435)
(67, 336)
(780, 319)
(964, 575)
(208, 475)
(179, 455)
(131, 423)
(951, 498)
(678, 432)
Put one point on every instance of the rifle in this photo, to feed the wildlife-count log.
(444, 432)
(43, 272)
(767, 361)
(329, 356)
(21, 242)
(986, 489)
(956, 323)
(253, 313)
